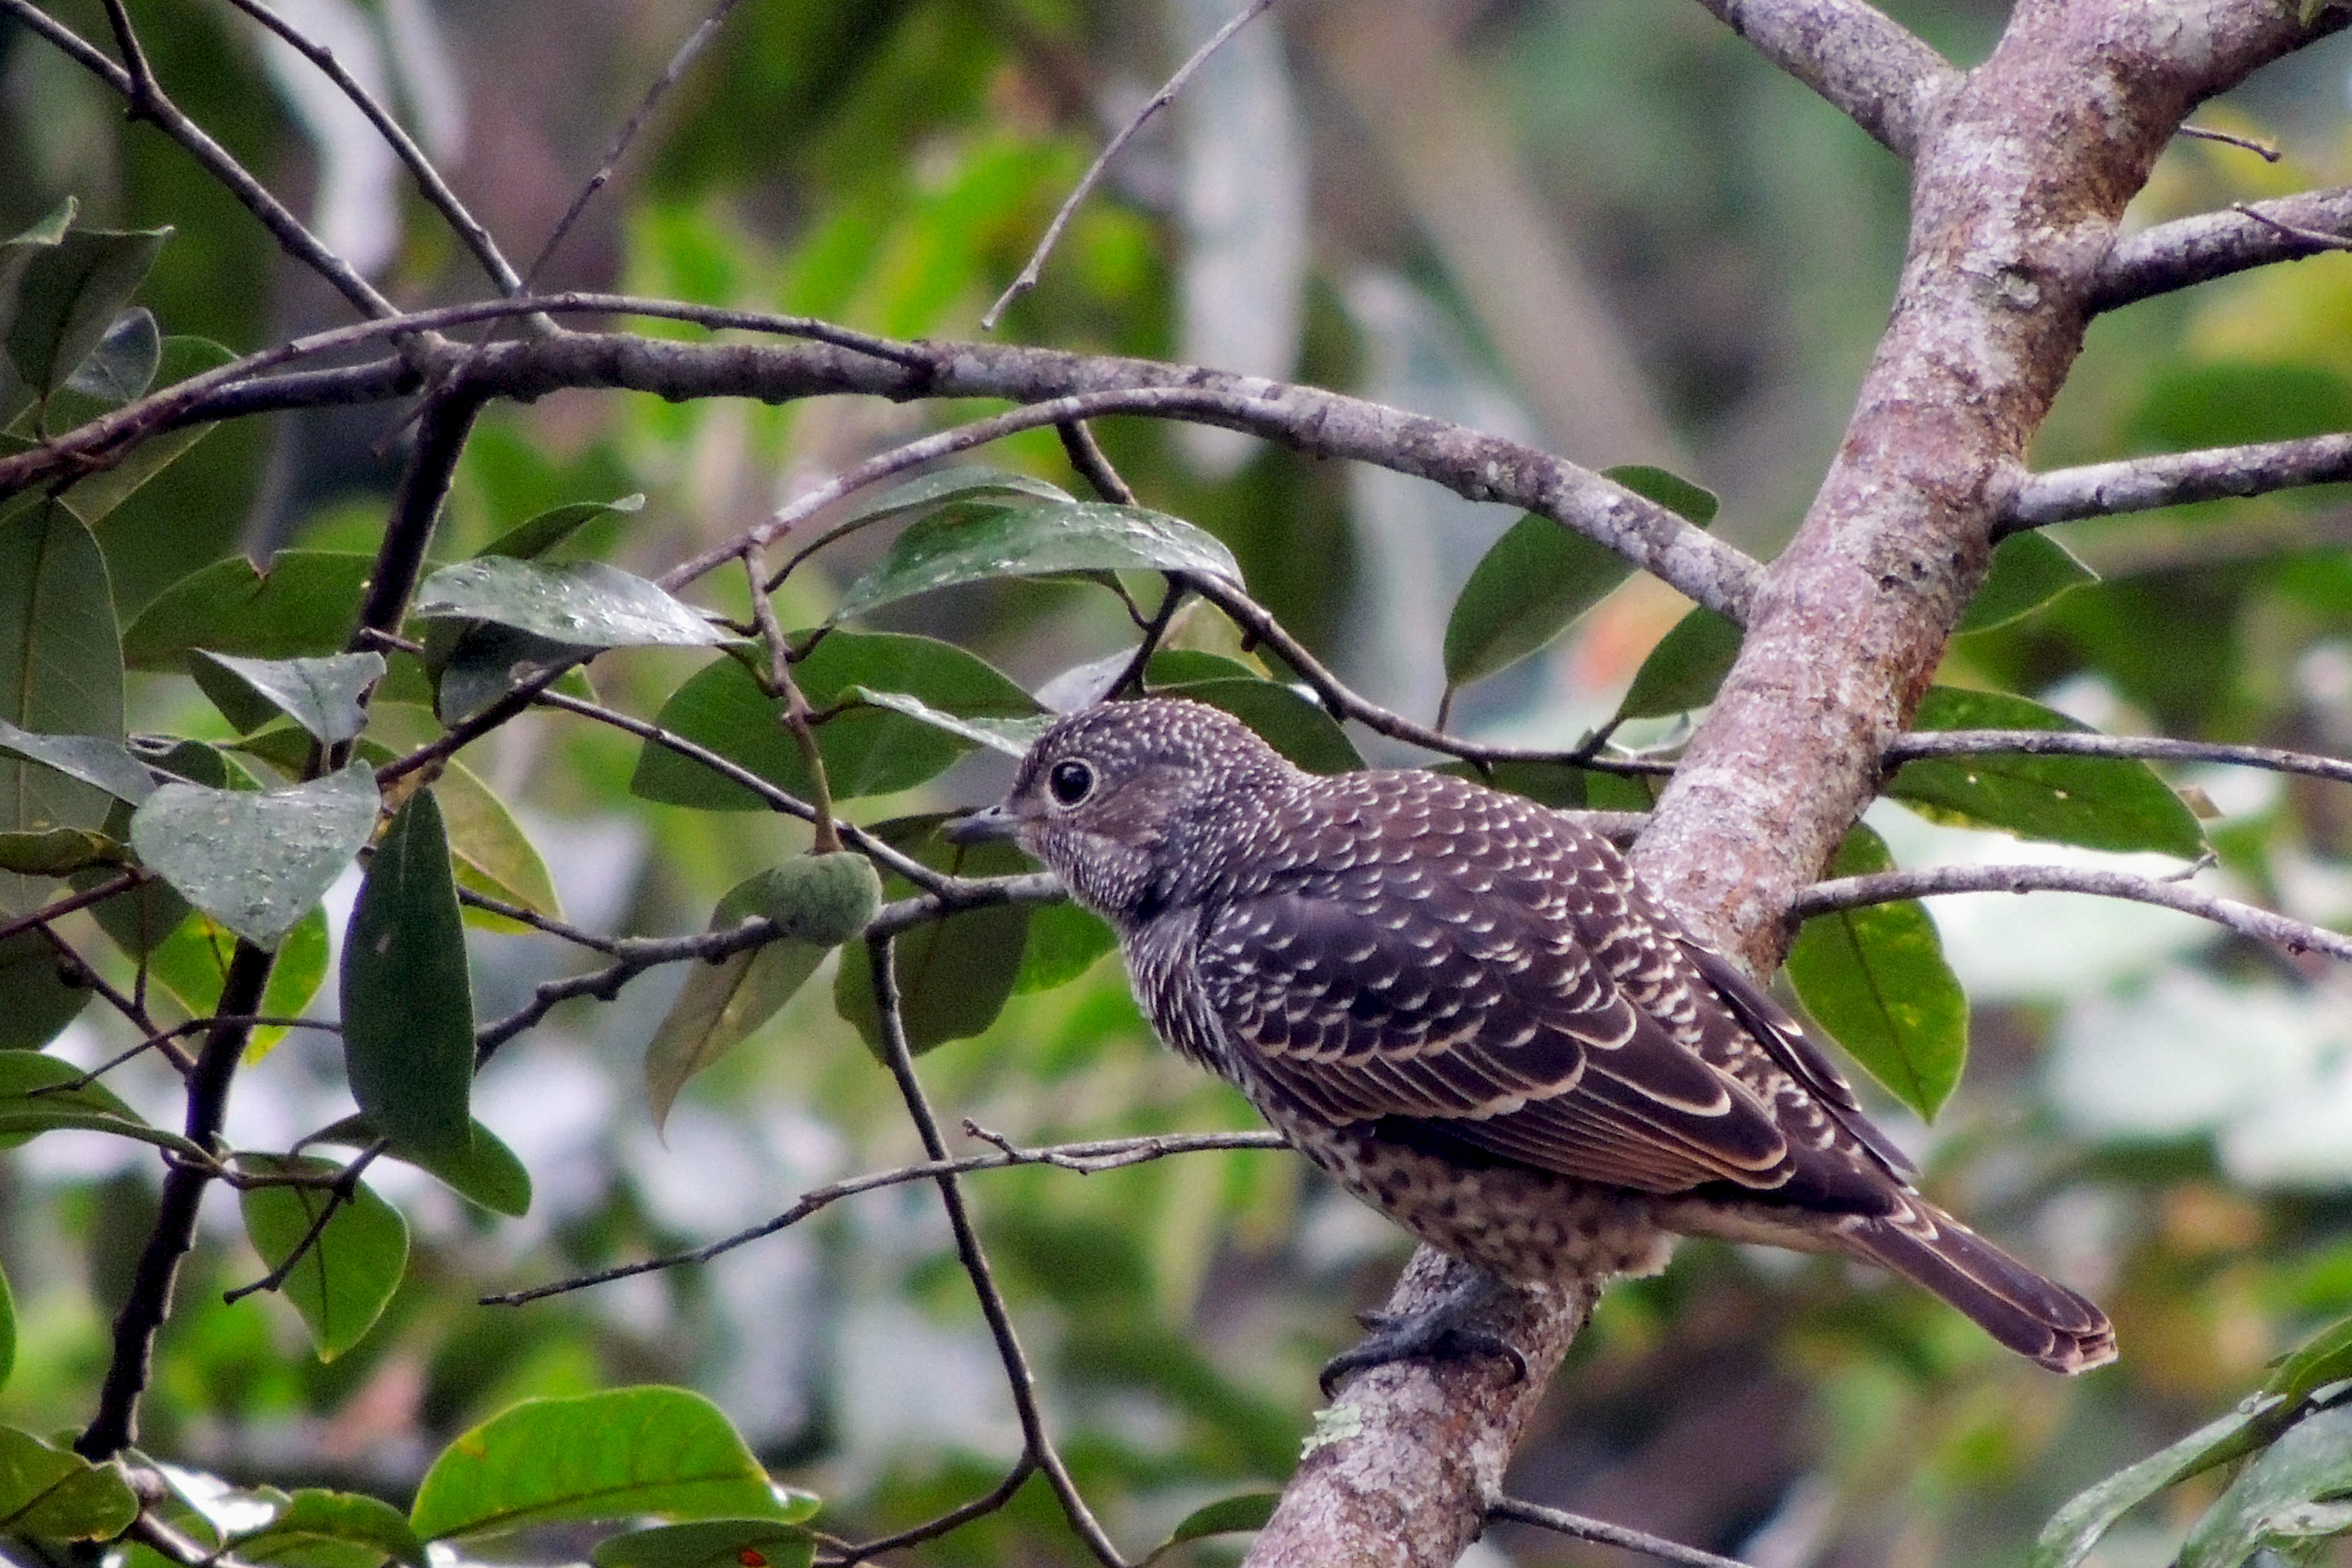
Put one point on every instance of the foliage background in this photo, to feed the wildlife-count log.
(2162, 1114)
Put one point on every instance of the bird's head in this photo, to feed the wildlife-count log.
(1123, 801)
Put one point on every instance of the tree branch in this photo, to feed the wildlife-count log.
(2192, 250)
(1860, 60)
(1920, 743)
(1577, 1527)
(2175, 478)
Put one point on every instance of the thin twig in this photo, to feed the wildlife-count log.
(1583, 1529)
(2317, 239)
(522, 915)
(1086, 455)
(1018, 1375)
(341, 1190)
(955, 1519)
(2266, 150)
(796, 715)
(1105, 1154)
(57, 909)
(2246, 919)
(1919, 744)
(1093, 176)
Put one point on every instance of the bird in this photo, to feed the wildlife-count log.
(1464, 1007)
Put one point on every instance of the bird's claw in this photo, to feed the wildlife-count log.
(1436, 1331)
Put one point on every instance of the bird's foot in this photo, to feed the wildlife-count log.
(1437, 1329)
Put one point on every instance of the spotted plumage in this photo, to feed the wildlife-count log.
(1463, 1007)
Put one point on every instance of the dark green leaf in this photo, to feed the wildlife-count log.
(954, 974)
(2292, 1492)
(32, 1101)
(407, 1002)
(36, 1002)
(1692, 503)
(124, 362)
(91, 499)
(614, 1455)
(1538, 578)
(2323, 1359)
(344, 1281)
(586, 603)
(1875, 979)
(1013, 737)
(529, 541)
(1226, 1516)
(1283, 719)
(2100, 803)
(60, 1496)
(1683, 670)
(710, 1543)
(486, 1171)
(103, 765)
(60, 675)
(59, 852)
(1063, 943)
(972, 543)
(1187, 665)
(2076, 1528)
(937, 488)
(332, 1530)
(70, 294)
(7, 1332)
(2029, 570)
(868, 750)
(257, 860)
(325, 696)
(305, 605)
(475, 664)
(817, 902)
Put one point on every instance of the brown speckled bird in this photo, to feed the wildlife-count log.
(1463, 1007)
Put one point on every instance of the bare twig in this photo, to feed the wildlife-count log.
(1105, 1154)
(537, 921)
(1019, 1377)
(1093, 176)
(1578, 1526)
(2266, 150)
(1854, 55)
(980, 1506)
(1919, 744)
(2246, 919)
(57, 909)
(2142, 484)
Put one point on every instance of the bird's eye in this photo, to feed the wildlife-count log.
(1070, 782)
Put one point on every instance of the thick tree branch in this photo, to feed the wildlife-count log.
(2192, 250)
(1860, 60)
(2174, 478)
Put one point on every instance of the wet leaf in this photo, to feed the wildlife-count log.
(2292, 1492)
(618, 1454)
(342, 1283)
(2323, 1359)
(971, 543)
(529, 541)
(407, 1000)
(1875, 979)
(936, 488)
(1684, 669)
(2100, 803)
(585, 604)
(2029, 570)
(326, 695)
(103, 765)
(2076, 1528)
(1013, 737)
(257, 860)
(305, 605)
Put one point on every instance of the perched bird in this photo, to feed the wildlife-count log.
(1463, 1007)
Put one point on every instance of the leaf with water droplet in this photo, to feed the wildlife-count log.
(257, 860)
(325, 696)
(972, 543)
(583, 602)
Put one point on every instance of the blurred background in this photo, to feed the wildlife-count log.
(1604, 226)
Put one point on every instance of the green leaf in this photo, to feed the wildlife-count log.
(2323, 1359)
(1875, 979)
(817, 902)
(1283, 719)
(60, 1496)
(486, 1171)
(344, 1281)
(103, 765)
(332, 1530)
(33, 1099)
(304, 605)
(474, 664)
(2292, 1492)
(1526, 591)
(92, 498)
(1188, 666)
(257, 860)
(926, 491)
(70, 294)
(407, 1001)
(1013, 737)
(60, 675)
(868, 750)
(492, 853)
(7, 1332)
(1063, 943)
(2076, 1528)
(1226, 1516)
(1692, 503)
(59, 852)
(585, 604)
(2100, 803)
(710, 1543)
(125, 361)
(1684, 669)
(328, 696)
(36, 1002)
(970, 544)
(954, 974)
(2029, 570)
(192, 964)
(529, 541)
(614, 1455)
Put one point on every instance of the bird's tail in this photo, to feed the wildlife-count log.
(2029, 1314)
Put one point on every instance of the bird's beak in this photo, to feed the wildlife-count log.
(993, 826)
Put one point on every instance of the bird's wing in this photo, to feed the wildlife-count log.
(1402, 993)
